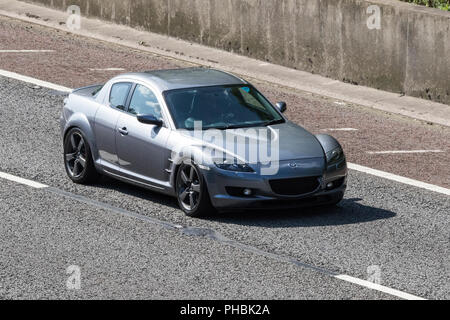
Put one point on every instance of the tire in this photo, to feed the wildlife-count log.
(192, 192)
(78, 159)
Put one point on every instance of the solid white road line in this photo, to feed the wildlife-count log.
(378, 287)
(26, 51)
(404, 151)
(26, 182)
(340, 129)
(107, 69)
(34, 81)
(393, 177)
(342, 277)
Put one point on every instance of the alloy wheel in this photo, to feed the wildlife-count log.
(189, 187)
(76, 155)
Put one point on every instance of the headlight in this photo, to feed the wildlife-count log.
(335, 156)
(233, 166)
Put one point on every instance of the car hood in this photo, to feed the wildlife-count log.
(294, 141)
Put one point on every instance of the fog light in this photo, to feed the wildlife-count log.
(247, 192)
(330, 185)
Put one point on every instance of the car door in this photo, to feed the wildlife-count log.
(105, 124)
(141, 148)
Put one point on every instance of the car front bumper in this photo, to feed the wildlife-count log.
(220, 183)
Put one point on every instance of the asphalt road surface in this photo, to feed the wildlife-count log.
(131, 243)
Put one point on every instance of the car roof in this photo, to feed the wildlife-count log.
(184, 78)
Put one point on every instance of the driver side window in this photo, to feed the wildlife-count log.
(144, 102)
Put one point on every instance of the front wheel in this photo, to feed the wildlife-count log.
(192, 193)
(78, 158)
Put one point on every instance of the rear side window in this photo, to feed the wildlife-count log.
(119, 94)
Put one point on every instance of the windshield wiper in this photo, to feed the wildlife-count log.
(272, 122)
(246, 125)
(234, 126)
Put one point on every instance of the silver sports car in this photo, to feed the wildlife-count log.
(204, 136)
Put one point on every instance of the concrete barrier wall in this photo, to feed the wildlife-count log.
(407, 52)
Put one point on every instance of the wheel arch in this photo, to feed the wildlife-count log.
(328, 142)
(190, 154)
(81, 122)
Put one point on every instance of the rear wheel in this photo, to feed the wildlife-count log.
(192, 193)
(78, 158)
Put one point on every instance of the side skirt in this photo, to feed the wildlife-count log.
(152, 187)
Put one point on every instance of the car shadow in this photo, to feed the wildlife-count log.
(348, 211)
(135, 191)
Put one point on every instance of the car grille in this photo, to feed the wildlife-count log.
(295, 186)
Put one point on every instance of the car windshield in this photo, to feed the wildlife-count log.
(221, 107)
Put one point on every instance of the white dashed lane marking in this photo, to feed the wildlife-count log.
(107, 69)
(34, 81)
(378, 287)
(26, 51)
(394, 177)
(404, 151)
(340, 129)
(23, 181)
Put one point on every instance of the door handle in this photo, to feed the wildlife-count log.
(123, 131)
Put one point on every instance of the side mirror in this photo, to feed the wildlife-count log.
(149, 119)
(281, 106)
